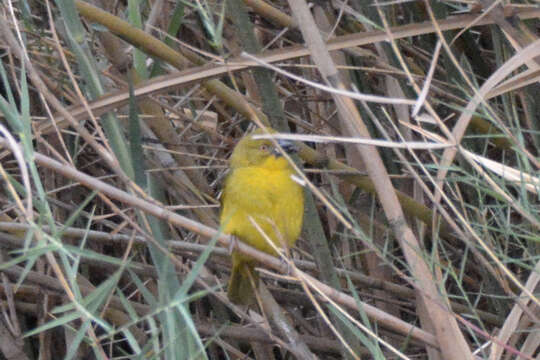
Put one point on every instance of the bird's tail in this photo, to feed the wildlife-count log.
(240, 289)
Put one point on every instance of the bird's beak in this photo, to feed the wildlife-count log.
(287, 145)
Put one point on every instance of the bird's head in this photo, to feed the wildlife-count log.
(260, 152)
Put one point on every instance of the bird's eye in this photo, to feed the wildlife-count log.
(264, 147)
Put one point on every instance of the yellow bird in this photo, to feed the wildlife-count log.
(259, 185)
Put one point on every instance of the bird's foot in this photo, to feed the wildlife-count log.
(286, 265)
(233, 244)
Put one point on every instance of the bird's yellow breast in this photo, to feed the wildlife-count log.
(268, 195)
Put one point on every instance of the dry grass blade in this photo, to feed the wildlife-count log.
(531, 183)
(511, 326)
(417, 126)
